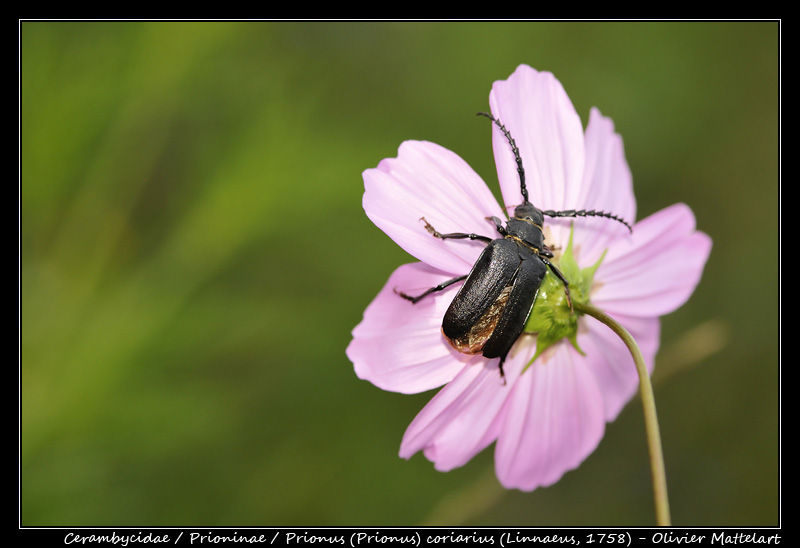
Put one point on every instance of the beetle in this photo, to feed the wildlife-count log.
(489, 311)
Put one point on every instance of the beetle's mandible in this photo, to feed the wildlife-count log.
(489, 312)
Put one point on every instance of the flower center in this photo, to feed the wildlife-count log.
(551, 318)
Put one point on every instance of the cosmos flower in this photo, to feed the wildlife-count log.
(546, 417)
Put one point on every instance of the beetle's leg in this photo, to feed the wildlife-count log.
(498, 224)
(561, 277)
(502, 373)
(439, 287)
(454, 235)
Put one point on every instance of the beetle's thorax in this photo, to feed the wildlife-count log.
(529, 213)
(525, 227)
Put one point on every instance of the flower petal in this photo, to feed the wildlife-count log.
(427, 180)
(554, 419)
(656, 269)
(607, 182)
(399, 346)
(534, 107)
(607, 186)
(461, 420)
(610, 361)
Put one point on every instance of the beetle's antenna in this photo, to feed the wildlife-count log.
(515, 150)
(587, 213)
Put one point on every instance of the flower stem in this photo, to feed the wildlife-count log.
(649, 403)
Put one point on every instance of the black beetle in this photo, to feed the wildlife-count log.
(489, 312)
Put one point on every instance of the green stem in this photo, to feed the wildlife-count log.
(649, 403)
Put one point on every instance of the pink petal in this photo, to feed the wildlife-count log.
(461, 419)
(534, 107)
(610, 361)
(399, 346)
(426, 180)
(553, 420)
(607, 186)
(654, 271)
(607, 183)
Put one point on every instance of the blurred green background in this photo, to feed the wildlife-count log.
(194, 255)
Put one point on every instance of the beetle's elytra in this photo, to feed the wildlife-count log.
(489, 311)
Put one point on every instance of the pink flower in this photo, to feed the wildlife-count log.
(549, 418)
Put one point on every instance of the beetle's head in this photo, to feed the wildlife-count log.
(529, 212)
